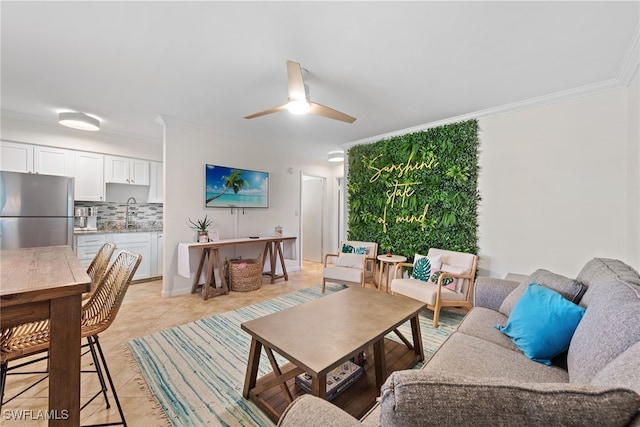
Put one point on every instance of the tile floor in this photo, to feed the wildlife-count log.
(143, 311)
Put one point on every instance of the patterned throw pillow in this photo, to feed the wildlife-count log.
(446, 281)
(348, 249)
(422, 269)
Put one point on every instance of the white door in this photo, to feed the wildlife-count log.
(312, 217)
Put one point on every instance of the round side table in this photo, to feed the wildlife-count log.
(387, 261)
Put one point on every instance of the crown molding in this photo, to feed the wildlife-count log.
(626, 71)
(565, 95)
(630, 62)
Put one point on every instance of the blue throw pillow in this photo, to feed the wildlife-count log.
(542, 323)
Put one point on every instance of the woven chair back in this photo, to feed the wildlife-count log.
(98, 312)
(98, 266)
(101, 308)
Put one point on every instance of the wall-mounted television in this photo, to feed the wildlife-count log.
(227, 187)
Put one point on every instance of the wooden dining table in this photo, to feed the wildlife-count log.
(47, 283)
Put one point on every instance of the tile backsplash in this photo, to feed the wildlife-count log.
(112, 214)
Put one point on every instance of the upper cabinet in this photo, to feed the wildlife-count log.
(16, 157)
(123, 170)
(89, 176)
(53, 161)
(155, 182)
(27, 158)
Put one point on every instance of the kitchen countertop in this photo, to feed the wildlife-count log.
(120, 230)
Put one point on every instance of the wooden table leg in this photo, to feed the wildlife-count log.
(199, 272)
(223, 280)
(319, 386)
(64, 361)
(273, 262)
(380, 362)
(207, 281)
(267, 250)
(252, 367)
(277, 373)
(380, 274)
(282, 264)
(417, 337)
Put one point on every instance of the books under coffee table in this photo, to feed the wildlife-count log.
(313, 338)
(338, 380)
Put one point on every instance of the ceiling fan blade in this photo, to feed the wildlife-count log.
(297, 91)
(321, 110)
(265, 112)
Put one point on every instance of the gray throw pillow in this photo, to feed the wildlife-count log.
(407, 399)
(570, 289)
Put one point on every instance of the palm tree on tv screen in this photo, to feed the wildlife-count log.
(233, 181)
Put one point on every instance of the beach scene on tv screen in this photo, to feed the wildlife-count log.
(234, 187)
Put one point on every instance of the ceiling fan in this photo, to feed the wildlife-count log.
(299, 103)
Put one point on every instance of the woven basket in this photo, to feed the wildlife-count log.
(245, 275)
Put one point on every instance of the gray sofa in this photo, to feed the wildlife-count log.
(479, 377)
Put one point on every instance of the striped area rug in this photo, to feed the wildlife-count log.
(196, 371)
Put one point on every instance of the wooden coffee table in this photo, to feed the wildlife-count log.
(317, 336)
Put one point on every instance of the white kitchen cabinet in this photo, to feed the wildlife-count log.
(155, 183)
(123, 170)
(16, 157)
(87, 246)
(156, 254)
(53, 161)
(89, 174)
(29, 158)
(159, 256)
(139, 243)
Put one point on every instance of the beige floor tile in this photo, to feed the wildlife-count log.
(143, 312)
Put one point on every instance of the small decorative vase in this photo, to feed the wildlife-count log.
(203, 236)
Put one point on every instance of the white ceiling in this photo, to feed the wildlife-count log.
(393, 65)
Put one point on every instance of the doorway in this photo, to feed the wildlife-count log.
(341, 220)
(313, 200)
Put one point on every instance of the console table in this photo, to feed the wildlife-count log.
(210, 257)
(47, 283)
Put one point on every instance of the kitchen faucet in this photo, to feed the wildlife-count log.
(127, 213)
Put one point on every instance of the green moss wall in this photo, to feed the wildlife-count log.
(416, 191)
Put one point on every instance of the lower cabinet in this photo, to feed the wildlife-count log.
(87, 246)
(139, 243)
(149, 245)
(156, 254)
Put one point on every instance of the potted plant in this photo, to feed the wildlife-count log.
(201, 226)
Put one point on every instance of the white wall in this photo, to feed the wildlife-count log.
(554, 184)
(187, 149)
(633, 244)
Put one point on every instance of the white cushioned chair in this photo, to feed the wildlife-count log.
(350, 268)
(459, 266)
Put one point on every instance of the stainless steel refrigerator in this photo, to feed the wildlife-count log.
(35, 210)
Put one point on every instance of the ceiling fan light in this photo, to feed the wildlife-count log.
(298, 106)
(336, 156)
(79, 121)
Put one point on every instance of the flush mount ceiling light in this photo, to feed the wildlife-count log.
(79, 121)
(336, 156)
